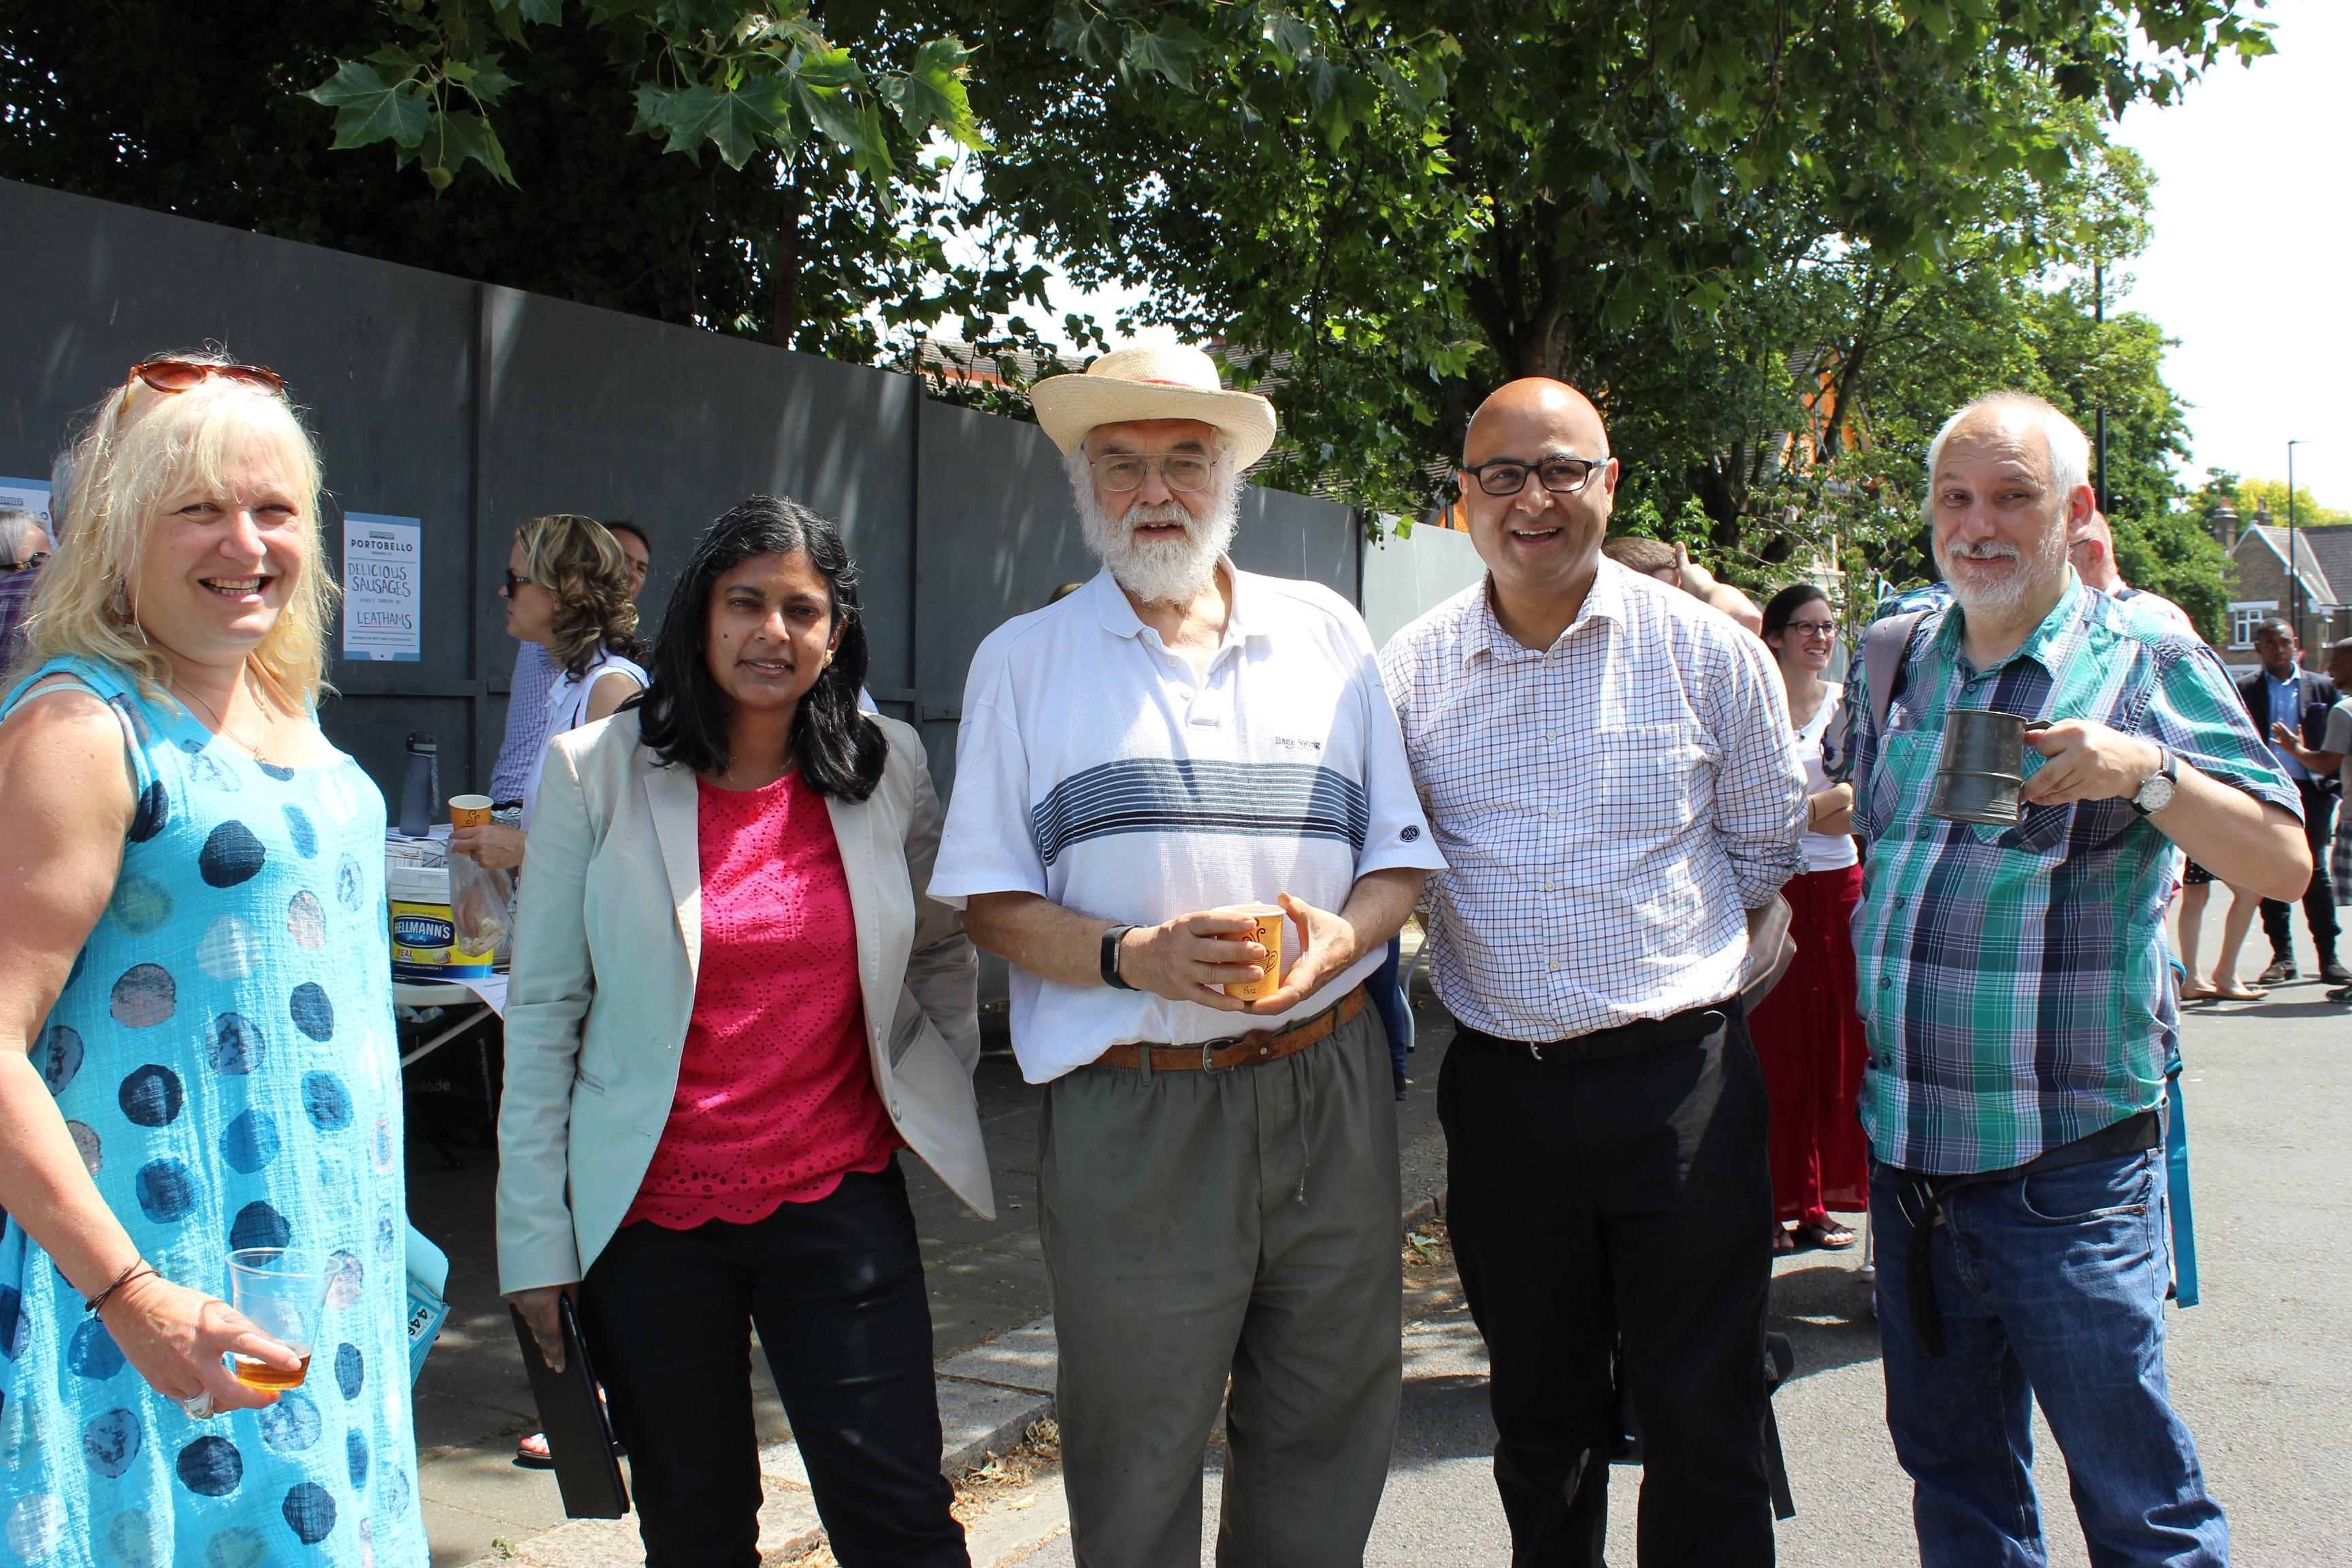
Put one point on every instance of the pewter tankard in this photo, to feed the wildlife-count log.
(1981, 768)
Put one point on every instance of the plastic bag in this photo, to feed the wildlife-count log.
(481, 904)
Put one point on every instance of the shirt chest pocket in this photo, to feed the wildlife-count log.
(1645, 780)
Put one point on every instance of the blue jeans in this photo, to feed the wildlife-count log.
(2050, 1285)
(1386, 989)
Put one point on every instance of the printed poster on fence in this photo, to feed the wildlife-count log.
(383, 575)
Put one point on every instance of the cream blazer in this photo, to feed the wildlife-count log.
(608, 938)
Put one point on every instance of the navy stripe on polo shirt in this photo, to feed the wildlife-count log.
(1156, 795)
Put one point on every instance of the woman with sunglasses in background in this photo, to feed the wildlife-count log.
(197, 1050)
(568, 588)
(1806, 1032)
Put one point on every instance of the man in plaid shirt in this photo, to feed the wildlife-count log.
(2020, 1007)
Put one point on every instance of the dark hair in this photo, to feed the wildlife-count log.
(628, 525)
(1787, 603)
(682, 714)
(2275, 627)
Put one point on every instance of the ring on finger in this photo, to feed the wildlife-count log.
(200, 1407)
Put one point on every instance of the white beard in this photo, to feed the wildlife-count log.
(1171, 572)
(2000, 599)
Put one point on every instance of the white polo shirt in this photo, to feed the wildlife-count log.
(1096, 768)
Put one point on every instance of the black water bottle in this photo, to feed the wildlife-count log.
(419, 792)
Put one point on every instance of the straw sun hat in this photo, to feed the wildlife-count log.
(1156, 380)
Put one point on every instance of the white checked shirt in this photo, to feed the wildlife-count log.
(1608, 807)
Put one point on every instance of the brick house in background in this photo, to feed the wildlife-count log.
(2323, 559)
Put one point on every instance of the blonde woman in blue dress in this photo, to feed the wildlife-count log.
(197, 1050)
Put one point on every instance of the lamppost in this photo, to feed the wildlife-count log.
(2293, 572)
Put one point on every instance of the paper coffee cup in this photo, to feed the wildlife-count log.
(1270, 923)
(470, 811)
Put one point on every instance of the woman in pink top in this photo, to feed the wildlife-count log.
(730, 1007)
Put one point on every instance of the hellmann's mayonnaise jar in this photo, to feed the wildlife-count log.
(424, 941)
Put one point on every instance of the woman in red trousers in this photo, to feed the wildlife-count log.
(1806, 1032)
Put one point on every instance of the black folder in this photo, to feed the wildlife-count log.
(579, 1432)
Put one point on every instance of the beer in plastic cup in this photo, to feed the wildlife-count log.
(284, 1292)
(1270, 923)
(470, 811)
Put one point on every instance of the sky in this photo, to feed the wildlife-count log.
(2251, 267)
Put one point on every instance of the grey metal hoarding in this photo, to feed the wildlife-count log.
(471, 407)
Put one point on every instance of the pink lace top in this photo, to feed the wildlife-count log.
(775, 1096)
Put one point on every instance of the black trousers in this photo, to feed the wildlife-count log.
(836, 1287)
(2319, 898)
(1632, 1193)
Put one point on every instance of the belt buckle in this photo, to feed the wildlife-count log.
(1210, 1047)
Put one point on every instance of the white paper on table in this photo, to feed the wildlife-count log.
(491, 989)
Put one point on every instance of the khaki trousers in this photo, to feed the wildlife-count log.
(1201, 1224)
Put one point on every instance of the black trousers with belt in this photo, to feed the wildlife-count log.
(836, 1287)
(2319, 898)
(1631, 1194)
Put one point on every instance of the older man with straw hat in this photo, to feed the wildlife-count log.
(1217, 1176)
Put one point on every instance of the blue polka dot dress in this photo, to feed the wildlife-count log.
(225, 1059)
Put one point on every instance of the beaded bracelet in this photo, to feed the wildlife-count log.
(95, 1303)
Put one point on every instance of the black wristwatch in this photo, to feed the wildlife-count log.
(1111, 940)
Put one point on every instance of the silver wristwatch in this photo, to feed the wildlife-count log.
(2157, 792)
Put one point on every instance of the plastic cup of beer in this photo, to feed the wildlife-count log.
(1270, 923)
(284, 1292)
(470, 811)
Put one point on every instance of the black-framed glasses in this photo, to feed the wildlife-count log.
(1119, 472)
(1813, 628)
(1560, 475)
(512, 583)
(26, 564)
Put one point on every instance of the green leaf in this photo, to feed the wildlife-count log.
(529, 10)
(734, 120)
(934, 95)
(1168, 53)
(836, 112)
(369, 109)
(459, 137)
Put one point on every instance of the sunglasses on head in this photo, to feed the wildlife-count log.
(182, 375)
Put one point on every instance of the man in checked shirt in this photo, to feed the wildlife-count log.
(2021, 1009)
(1607, 766)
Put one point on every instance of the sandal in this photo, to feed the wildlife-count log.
(531, 1453)
(1827, 1234)
(1783, 1241)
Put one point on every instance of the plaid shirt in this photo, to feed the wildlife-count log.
(2013, 980)
(1609, 807)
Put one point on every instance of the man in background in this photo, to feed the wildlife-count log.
(2290, 703)
(1672, 564)
(2090, 547)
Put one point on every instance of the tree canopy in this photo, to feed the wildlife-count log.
(1774, 242)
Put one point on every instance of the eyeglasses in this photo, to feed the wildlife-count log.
(1121, 472)
(1560, 475)
(182, 374)
(1813, 628)
(512, 583)
(35, 559)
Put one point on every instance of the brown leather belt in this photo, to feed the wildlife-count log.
(1239, 1050)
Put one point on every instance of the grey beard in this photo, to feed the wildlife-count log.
(2029, 575)
(1169, 574)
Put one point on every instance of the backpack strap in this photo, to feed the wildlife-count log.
(1884, 647)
